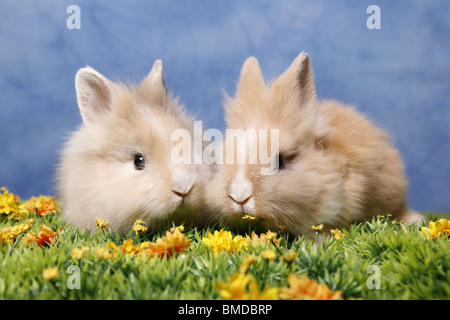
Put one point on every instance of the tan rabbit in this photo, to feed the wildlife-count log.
(117, 166)
(334, 167)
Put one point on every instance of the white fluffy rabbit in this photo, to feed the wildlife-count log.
(334, 166)
(117, 166)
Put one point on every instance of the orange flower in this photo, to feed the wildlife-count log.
(244, 287)
(304, 288)
(173, 241)
(45, 236)
(42, 205)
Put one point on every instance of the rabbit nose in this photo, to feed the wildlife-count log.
(183, 192)
(240, 200)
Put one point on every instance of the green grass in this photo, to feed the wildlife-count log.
(410, 266)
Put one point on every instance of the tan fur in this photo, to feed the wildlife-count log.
(340, 168)
(96, 175)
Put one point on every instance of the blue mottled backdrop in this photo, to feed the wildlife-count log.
(398, 75)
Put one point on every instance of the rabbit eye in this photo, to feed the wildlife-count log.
(281, 162)
(139, 162)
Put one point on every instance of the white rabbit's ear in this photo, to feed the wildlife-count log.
(94, 95)
(300, 75)
(154, 83)
(251, 81)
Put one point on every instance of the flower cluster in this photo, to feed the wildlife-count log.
(174, 241)
(44, 237)
(263, 238)
(224, 241)
(304, 288)
(317, 228)
(42, 205)
(139, 226)
(101, 253)
(10, 205)
(437, 229)
(338, 234)
(100, 224)
(243, 287)
(8, 234)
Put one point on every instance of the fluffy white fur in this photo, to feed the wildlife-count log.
(97, 177)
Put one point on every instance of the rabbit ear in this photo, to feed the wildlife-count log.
(94, 95)
(300, 75)
(154, 83)
(251, 81)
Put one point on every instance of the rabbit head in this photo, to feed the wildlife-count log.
(118, 166)
(302, 187)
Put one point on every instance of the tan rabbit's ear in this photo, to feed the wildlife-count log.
(300, 76)
(94, 95)
(154, 85)
(251, 81)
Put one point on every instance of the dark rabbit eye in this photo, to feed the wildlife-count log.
(281, 163)
(139, 162)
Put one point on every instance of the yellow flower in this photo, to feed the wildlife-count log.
(50, 273)
(128, 247)
(103, 253)
(248, 217)
(9, 233)
(139, 226)
(42, 205)
(78, 253)
(267, 294)
(270, 235)
(100, 224)
(263, 238)
(248, 261)
(115, 248)
(290, 256)
(317, 228)
(242, 287)
(223, 241)
(179, 228)
(10, 205)
(304, 288)
(236, 288)
(338, 234)
(269, 255)
(437, 229)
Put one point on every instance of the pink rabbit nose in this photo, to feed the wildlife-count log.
(239, 200)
